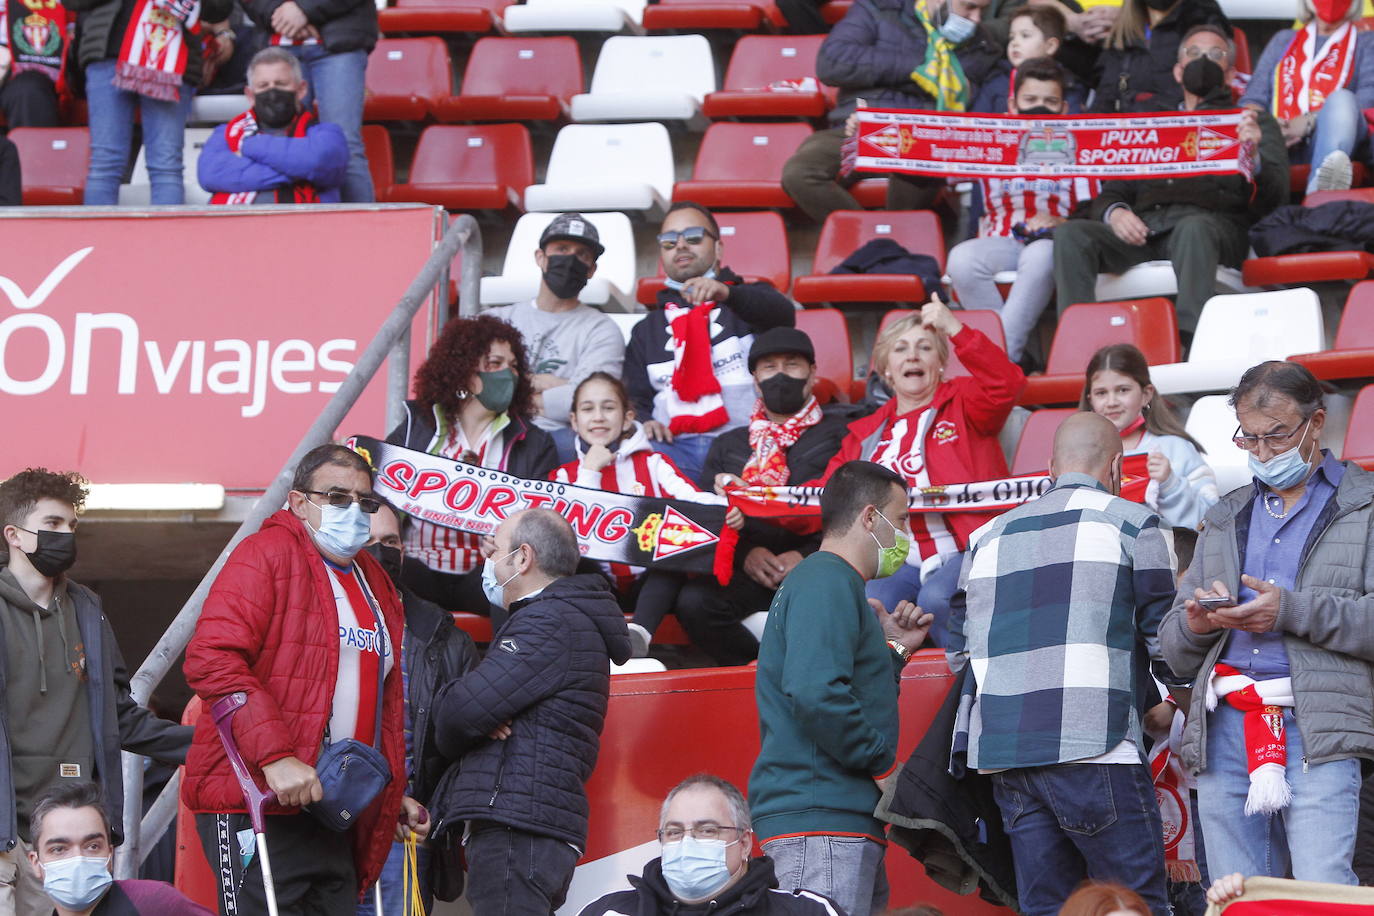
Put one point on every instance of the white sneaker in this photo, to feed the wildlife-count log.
(1335, 174)
(639, 641)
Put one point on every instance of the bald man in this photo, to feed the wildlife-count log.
(524, 726)
(1062, 599)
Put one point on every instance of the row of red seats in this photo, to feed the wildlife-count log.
(479, 16)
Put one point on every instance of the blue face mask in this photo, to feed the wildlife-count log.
(342, 532)
(695, 869)
(493, 589)
(1284, 470)
(77, 882)
(958, 29)
(677, 284)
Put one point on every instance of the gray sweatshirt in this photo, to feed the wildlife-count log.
(570, 345)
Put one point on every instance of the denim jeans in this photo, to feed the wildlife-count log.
(112, 136)
(689, 454)
(1314, 835)
(847, 869)
(973, 265)
(934, 596)
(514, 873)
(337, 87)
(1074, 821)
(394, 893)
(1340, 126)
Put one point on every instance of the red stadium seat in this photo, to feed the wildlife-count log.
(406, 78)
(1083, 329)
(1313, 266)
(755, 248)
(1359, 436)
(1242, 61)
(1037, 440)
(380, 160)
(740, 165)
(758, 62)
(845, 231)
(1352, 354)
(829, 335)
(695, 15)
(516, 79)
(476, 167)
(1297, 179)
(985, 320)
(834, 10)
(53, 161)
(443, 16)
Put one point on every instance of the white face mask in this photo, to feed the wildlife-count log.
(494, 590)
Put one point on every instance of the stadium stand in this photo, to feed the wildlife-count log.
(406, 77)
(478, 167)
(755, 248)
(643, 77)
(740, 165)
(1359, 437)
(516, 79)
(844, 231)
(763, 61)
(615, 270)
(53, 162)
(1352, 354)
(381, 161)
(829, 333)
(576, 16)
(1212, 422)
(1037, 440)
(743, 15)
(442, 16)
(607, 167)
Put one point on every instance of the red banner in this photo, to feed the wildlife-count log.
(1161, 144)
(1281, 897)
(195, 346)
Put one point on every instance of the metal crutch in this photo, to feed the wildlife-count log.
(223, 713)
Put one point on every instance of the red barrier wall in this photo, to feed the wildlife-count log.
(660, 729)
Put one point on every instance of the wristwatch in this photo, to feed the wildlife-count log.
(902, 651)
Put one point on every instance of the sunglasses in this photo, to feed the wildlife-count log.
(340, 500)
(692, 235)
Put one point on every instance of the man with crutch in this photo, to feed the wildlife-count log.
(296, 656)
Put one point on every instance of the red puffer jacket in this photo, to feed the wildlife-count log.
(270, 629)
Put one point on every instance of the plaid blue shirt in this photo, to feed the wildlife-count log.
(1062, 600)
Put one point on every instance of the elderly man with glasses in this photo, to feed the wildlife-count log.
(705, 864)
(1273, 620)
(1197, 223)
(687, 365)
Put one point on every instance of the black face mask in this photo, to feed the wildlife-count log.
(782, 393)
(1160, 6)
(55, 553)
(1203, 76)
(390, 559)
(275, 108)
(565, 275)
(1038, 110)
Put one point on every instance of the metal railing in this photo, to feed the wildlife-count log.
(392, 342)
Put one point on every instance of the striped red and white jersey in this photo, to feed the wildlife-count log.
(1008, 201)
(364, 645)
(901, 449)
(448, 550)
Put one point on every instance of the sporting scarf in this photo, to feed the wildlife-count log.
(940, 74)
(1172, 792)
(769, 442)
(246, 125)
(695, 403)
(1304, 77)
(1266, 742)
(36, 33)
(152, 59)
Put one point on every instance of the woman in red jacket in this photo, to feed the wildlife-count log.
(935, 430)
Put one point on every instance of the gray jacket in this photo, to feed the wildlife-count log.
(1328, 621)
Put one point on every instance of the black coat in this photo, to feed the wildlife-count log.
(756, 894)
(530, 451)
(1141, 76)
(1342, 225)
(870, 54)
(547, 673)
(345, 25)
(435, 653)
(806, 460)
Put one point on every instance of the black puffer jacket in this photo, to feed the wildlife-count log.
(547, 673)
(345, 25)
(756, 894)
(870, 54)
(435, 653)
(1141, 77)
(529, 451)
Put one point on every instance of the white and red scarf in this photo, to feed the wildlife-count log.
(1305, 77)
(694, 400)
(1266, 741)
(152, 59)
(769, 442)
(1172, 791)
(246, 125)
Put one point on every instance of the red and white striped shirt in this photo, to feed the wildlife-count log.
(901, 450)
(447, 550)
(363, 645)
(1008, 201)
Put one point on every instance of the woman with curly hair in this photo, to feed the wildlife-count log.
(473, 402)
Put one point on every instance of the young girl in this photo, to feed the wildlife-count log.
(1182, 486)
(614, 454)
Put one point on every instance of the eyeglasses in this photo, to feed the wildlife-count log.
(1215, 55)
(341, 500)
(703, 831)
(1273, 440)
(692, 235)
